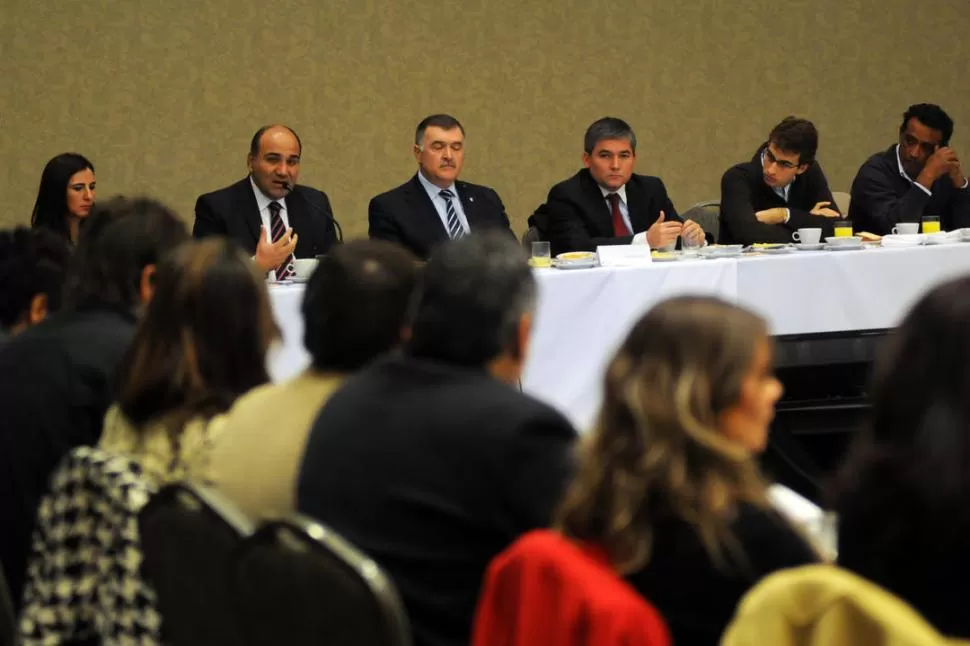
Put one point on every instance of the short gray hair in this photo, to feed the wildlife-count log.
(608, 128)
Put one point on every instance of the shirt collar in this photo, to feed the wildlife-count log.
(899, 164)
(432, 189)
(262, 201)
(620, 191)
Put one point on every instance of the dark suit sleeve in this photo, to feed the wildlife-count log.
(960, 208)
(739, 214)
(818, 192)
(207, 222)
(667, 206)
(565, 227)
(503, 217)
(381, 222)
(873, 191)
(772, 543)
(537, 467)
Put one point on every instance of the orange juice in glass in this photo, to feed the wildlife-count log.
(931, 224)
(843, 229)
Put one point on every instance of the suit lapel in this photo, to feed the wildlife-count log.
(468, 204)
(639, 207)
(424, 215)
(596, 204)
(247, 208)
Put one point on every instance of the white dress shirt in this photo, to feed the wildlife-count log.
(638, 238)
(263, 202)
(441, 206)
(902, 173)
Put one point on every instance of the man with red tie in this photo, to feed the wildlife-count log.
(606, 203)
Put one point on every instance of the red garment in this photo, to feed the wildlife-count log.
(545, 590)
(619, 226)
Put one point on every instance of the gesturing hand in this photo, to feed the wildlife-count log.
(660, 234)
(820, 209)
(270, 255)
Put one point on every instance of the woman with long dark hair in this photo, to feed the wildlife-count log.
(201, 343)
(903, 492)
(667, 483)
(65, 196)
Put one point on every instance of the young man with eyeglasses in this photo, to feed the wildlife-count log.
(920, 175)
(780, 190)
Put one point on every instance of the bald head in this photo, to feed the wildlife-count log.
(274, 160)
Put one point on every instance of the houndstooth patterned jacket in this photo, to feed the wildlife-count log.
(83, 578)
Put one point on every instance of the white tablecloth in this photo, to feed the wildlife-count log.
(583, 315)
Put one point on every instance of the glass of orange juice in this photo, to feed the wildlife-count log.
(541, 255)
(931, 224)
(843, 229)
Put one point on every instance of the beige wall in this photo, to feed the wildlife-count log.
(163, 96)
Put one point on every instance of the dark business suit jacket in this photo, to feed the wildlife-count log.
(407, 216)
(432, 470)
(576, 216)
(234, 213)
(59, 379)
(881, 198)
(744, 192)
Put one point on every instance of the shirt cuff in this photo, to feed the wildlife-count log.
(787, 215)
(926, 190)
(966, 182)
(640, 238)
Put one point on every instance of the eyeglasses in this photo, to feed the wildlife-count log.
(771, 159)
(926, 147)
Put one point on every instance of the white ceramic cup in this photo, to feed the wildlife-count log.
(906, 227)
(808, 235)
(304, 267)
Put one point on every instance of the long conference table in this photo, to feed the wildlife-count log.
(584, 314)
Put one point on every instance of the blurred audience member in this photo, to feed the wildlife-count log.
(431, 461)
(59, 376)
(65, 196)
(904, 490)
(33, 266)
(667, 483)
(201, 344)
(353, 310)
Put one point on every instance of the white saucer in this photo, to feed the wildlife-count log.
(801, 246)
(941, 238)
(843, 247)
(576, 264)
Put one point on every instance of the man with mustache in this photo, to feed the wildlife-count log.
(919, 175)
(433, 206)
(267, 213)
(782, 189)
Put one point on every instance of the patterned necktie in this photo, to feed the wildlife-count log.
(455, 230)
(277, 229)
(619, 226)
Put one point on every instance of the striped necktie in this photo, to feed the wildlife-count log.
(455, 230)
(277, 229)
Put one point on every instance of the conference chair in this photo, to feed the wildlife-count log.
(842, 200)
(819, 605)
(296, 582)
(708, 215)
(189, 535)
(546, 589)
(83, 580)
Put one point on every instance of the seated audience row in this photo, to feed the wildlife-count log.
(33, 267)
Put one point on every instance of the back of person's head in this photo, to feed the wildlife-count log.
(931, 116)
(608, 128)
(794, 135)
(909, 469)
(204, 336)
(356, 303)
(33, 266)
(118, 249)
(472, 300)
(660, 445)
(50, 208)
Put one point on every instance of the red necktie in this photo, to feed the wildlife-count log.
(286, 270)
(619, 226)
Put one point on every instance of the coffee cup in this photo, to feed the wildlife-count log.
(906, 228)
(304, 267)
(809, 236)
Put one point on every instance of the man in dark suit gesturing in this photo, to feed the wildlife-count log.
(606, 203)
(433, 206)
(431, 461)
(267, 212)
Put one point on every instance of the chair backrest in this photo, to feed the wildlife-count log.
(8, 621)
(817, 605)
(83, 578)
(706, 214)
(544, 589)
(531, 235)
(842, 200)
(297, 582)
(189, 536)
